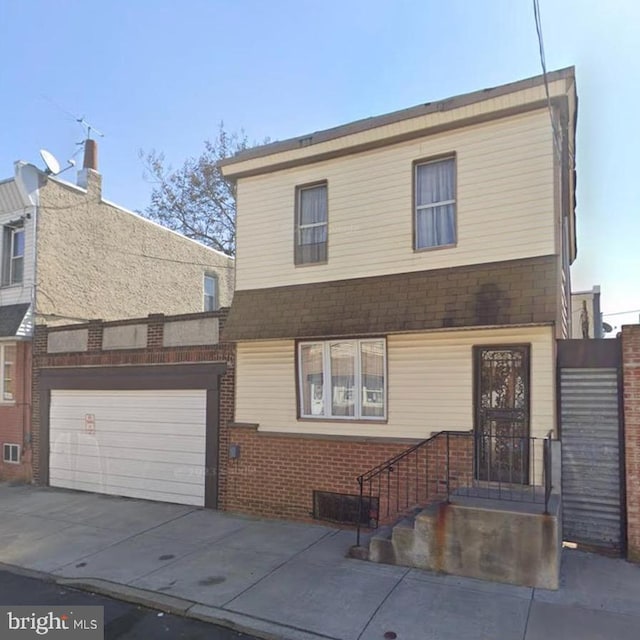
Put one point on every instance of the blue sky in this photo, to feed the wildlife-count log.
(162, 74)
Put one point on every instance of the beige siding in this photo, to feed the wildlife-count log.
(429, 384)
(96, 260)
(447, 117)
(505, 206)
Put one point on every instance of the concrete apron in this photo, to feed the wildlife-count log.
(287, 580)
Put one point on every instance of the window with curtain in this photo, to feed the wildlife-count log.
(435, 203)
(344, 379)
(311, 224)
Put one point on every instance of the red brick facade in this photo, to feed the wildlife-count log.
(276, 475)
(15, 418)
(154, 353)
(631, 379)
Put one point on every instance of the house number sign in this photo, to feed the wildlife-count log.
(90, 423)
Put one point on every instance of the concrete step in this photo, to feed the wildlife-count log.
(399, 535)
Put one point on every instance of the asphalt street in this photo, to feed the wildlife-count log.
(123, 621)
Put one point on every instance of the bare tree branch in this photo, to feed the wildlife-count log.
(195, 199)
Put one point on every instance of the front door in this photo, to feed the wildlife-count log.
(502, 414)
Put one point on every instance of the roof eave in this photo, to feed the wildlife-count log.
(373, 122)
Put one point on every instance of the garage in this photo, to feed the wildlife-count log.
(141, 444)
(138, 431)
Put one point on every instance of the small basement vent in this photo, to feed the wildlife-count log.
(343, 508)
(12, 453)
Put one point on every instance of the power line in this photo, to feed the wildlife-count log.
(621, 313)
(174, 260)
(557, 135)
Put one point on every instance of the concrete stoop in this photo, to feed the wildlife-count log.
(488, 539)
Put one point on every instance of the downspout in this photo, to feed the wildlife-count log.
(26, 402)
(34, 316)
(31, 198)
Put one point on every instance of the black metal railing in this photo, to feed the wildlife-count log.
(548, 470)
(452, 464)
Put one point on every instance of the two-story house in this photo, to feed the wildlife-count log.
(69, 255)
(398, 276)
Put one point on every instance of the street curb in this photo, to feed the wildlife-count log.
(150, 599)
(263, 629)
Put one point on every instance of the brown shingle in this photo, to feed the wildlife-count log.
(496, 293)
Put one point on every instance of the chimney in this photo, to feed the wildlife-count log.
(90, 155)
(88, 176)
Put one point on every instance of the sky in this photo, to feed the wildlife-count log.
(162, 75)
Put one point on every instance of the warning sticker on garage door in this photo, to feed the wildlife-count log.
(90, 423)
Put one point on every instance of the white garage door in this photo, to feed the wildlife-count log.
(142, 444)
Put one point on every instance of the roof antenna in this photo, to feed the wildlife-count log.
(90, 145)
(88, 128)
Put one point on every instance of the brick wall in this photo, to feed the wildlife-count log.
(631, 381)
(154, 353)
(14, 418)
(275, 475)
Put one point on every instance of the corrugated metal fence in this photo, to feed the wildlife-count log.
(592, 445)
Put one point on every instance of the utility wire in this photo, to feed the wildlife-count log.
(557, 135)
(621, 313)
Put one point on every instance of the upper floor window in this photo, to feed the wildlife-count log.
(435, 203)
(342, 379)
(13, 255)
(210, 292)
(311, 224)
(7, 365)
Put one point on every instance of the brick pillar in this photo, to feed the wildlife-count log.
(94, 341)
(40, 336)
(39, 350)
(631, 381)
(155, 330)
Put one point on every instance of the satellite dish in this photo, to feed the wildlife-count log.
(53, 166)
(606, 327)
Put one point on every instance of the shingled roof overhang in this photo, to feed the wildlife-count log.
(514, 292)
(11, 317)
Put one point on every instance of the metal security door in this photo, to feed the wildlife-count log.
(502, 414)
(592, 451)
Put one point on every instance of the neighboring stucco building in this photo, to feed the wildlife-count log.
(586, 316)
(384, 269)
(68, 255)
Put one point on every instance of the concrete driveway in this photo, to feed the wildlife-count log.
(288, 580)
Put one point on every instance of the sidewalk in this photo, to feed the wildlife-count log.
(287, 580)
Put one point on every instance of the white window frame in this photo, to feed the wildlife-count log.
(15, 231)
(311, 225)
(432, 205)
(3, 348)
(13, 448)
(205, 296)
(326, 380)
